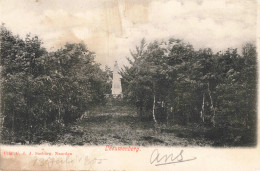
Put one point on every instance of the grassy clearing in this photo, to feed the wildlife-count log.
(120, 125)
(123, 127)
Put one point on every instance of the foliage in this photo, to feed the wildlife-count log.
(215, 89)
(41, 88)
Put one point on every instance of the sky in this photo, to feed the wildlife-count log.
(111, 28)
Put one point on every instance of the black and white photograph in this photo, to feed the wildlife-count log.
(129, 73)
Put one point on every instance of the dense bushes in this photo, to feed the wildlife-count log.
(172, 82)
(42, 91)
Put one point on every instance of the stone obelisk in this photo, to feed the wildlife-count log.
(116, 84)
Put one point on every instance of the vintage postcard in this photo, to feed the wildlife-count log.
(129, 85)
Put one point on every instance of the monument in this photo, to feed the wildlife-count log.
(116, 83)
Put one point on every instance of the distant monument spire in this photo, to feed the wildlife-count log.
(116, 84)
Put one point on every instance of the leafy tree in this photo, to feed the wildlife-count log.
(171, 81)
(42, 91)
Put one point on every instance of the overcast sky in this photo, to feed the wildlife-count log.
(112, 27)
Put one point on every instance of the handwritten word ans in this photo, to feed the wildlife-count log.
(162, 159)
(129, 148)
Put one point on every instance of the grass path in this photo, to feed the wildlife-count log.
(125, 128)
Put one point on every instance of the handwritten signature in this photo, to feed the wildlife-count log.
(51, 161)
(159, 159)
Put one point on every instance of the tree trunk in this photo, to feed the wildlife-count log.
(45, 119)
(2, 123)
(13, 125)
(167, 118)
(154, 119)
(2, 112)
(202, 108)
(212, 107)
(59, 108)
(172, 111)
(30, 127)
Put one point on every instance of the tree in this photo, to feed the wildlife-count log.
(171, 81)
(43, 90)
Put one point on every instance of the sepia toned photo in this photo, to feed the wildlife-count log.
(125, 76)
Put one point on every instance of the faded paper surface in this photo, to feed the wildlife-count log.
(111, 28)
